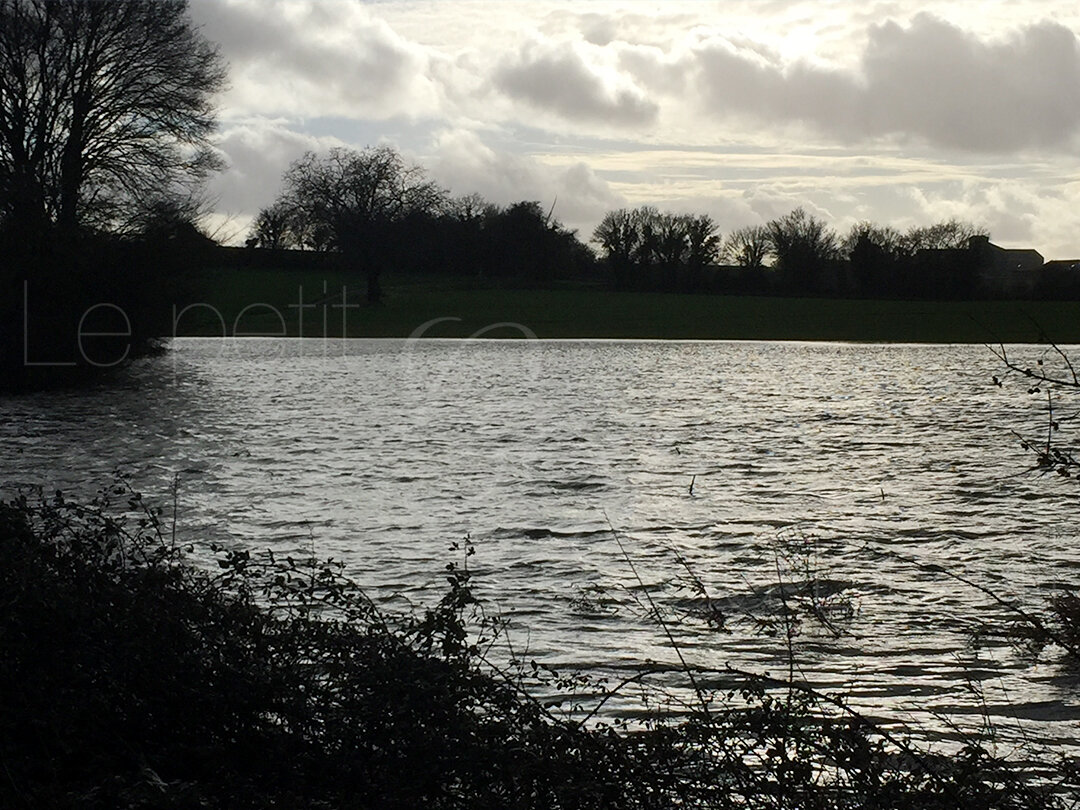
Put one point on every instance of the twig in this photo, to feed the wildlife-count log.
(660, 618)
(1032, 620)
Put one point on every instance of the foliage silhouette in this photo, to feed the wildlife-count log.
(103, 105)
(645, 247)
(1051, 377)
(106, 110)
(805, 250)
(356, 202)
(133, 678)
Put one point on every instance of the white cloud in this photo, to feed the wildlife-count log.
(257, 152)
(462, 162)
(317, 59)
(930, 80)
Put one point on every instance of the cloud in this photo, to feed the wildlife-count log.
(256, 153)
(304, 58)
(557, 78)
(931, 80)
(653, 67)
(1016, 214)
(960, 91)
(465, 164)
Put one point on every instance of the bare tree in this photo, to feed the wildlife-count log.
(352, 201)
(952, 234)
(617, 235)
(747, 247)
(469, 208)
(275, 227)
(619, 238)
(804, 246)
(884, 237)
(646, 219)
(102, 105)
(702, 246)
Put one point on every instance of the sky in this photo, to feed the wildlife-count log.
(902, 113)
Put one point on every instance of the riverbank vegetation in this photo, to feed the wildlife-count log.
(107, 114)
(135, 675)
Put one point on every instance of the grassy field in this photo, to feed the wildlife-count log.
(248, 301)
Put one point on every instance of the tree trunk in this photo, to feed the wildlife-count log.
(71, 176)
(374, 288)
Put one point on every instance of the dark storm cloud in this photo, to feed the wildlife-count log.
(557, 79)
(929, 79)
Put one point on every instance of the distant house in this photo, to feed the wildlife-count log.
(1060, 279)
(1062, 266)
(1004, 270)
(980, 268)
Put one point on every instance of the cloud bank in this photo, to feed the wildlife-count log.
(929, 80)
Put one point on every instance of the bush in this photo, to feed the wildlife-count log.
(130, 677)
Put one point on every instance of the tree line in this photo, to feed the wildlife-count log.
(796, 254)
(106, 120)
(378, 211)
(106, 124)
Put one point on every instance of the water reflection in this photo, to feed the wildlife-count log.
(385, 452)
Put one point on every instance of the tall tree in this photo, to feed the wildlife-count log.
(619, 238)
(747, 247)
(358, 202)
(804, 248)
(703, 239)
(103, 104)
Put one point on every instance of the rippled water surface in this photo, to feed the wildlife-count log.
(806, 462)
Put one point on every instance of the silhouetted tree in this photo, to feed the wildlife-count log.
(646, 219)
(875, 253)
(747, 247)
(106, 111)
(885, 237)
(356, 202)
(938, 262)
(102, 105)
(524, 241)
(658, 248)
(950, 235)
(169, 219)
(805, 248)
(619, 238)
(671, 244)
(703, 247)
(275, 227)
(463, 224)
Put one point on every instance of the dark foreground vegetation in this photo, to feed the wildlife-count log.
(132, 678)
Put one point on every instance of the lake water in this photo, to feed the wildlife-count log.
(806, 461)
